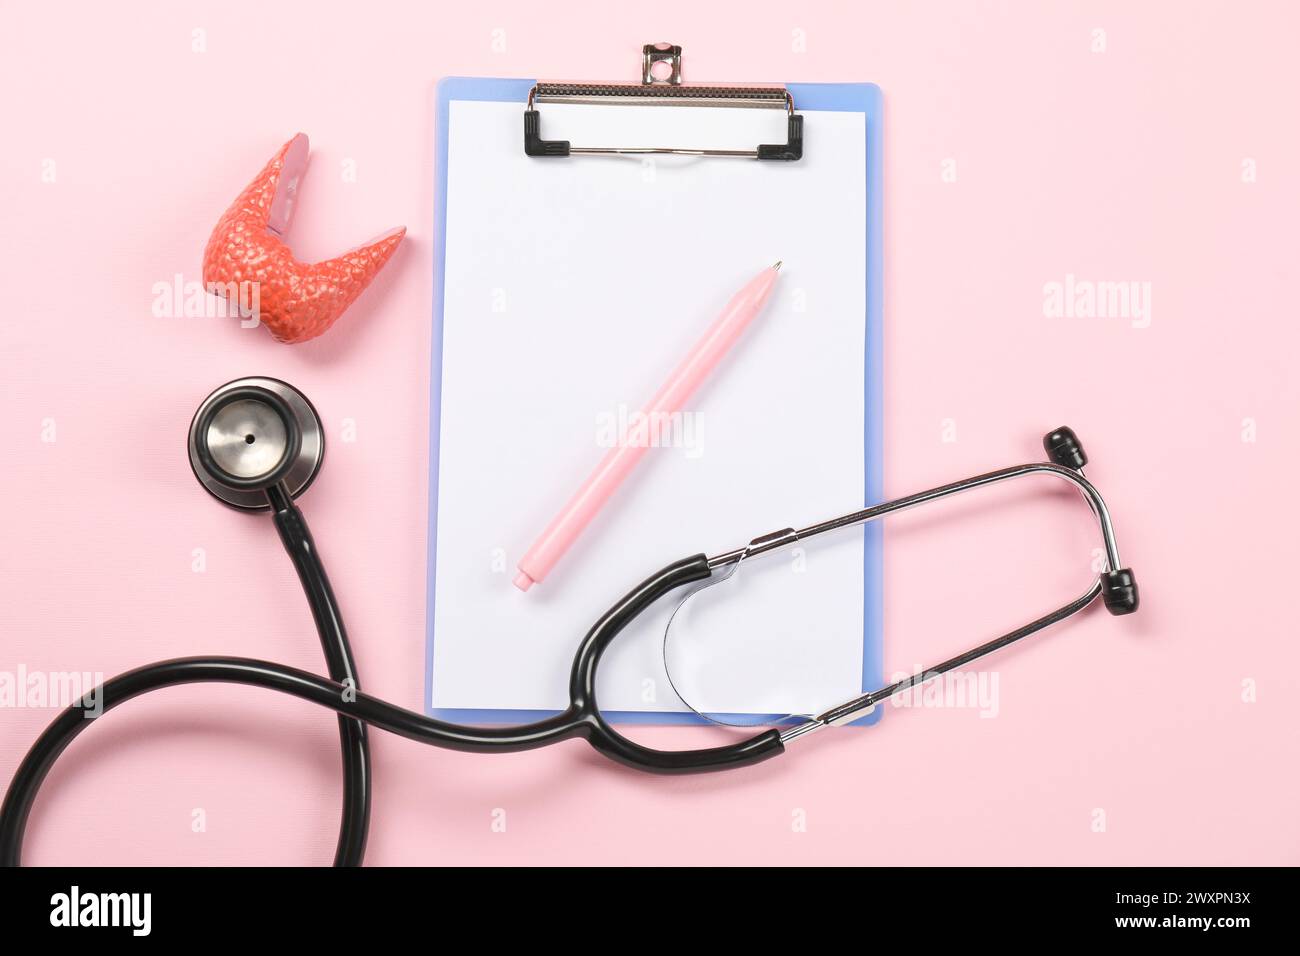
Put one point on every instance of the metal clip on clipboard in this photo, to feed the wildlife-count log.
(668, 91)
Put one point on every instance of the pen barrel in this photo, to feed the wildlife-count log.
(646, 431)
(577, 513)
(711, 348)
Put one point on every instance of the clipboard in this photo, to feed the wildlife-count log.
(537, 103)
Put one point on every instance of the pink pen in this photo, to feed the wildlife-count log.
(620, 460)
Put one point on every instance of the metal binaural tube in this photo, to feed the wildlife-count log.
(861, 706)
(1090, 494)
(864, 704)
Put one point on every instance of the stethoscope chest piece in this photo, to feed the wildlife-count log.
(253, 433)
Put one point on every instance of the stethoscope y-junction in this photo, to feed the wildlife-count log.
(257, 444)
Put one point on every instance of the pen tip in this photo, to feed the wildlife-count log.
(777, 267)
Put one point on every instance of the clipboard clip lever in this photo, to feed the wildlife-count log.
(661, 90)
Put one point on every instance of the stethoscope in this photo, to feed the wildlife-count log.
(256, 444)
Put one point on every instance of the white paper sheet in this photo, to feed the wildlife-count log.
(572, 288)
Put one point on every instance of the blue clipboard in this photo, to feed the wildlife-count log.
(862, 98)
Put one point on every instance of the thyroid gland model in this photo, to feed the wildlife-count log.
(297, 301)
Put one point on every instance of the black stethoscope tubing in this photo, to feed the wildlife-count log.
(355, 708)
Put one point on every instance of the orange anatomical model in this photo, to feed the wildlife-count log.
(296, 300)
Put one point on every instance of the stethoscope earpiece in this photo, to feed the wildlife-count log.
(1063, 448)
(251, 435)
(1119, 590)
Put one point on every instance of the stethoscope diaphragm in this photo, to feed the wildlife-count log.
(251, 434)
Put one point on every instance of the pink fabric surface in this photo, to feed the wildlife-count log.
(1017, 154)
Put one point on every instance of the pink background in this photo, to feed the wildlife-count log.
(1119, 165)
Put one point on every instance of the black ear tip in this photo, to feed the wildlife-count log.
(1063, 448)
(1120, 591)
